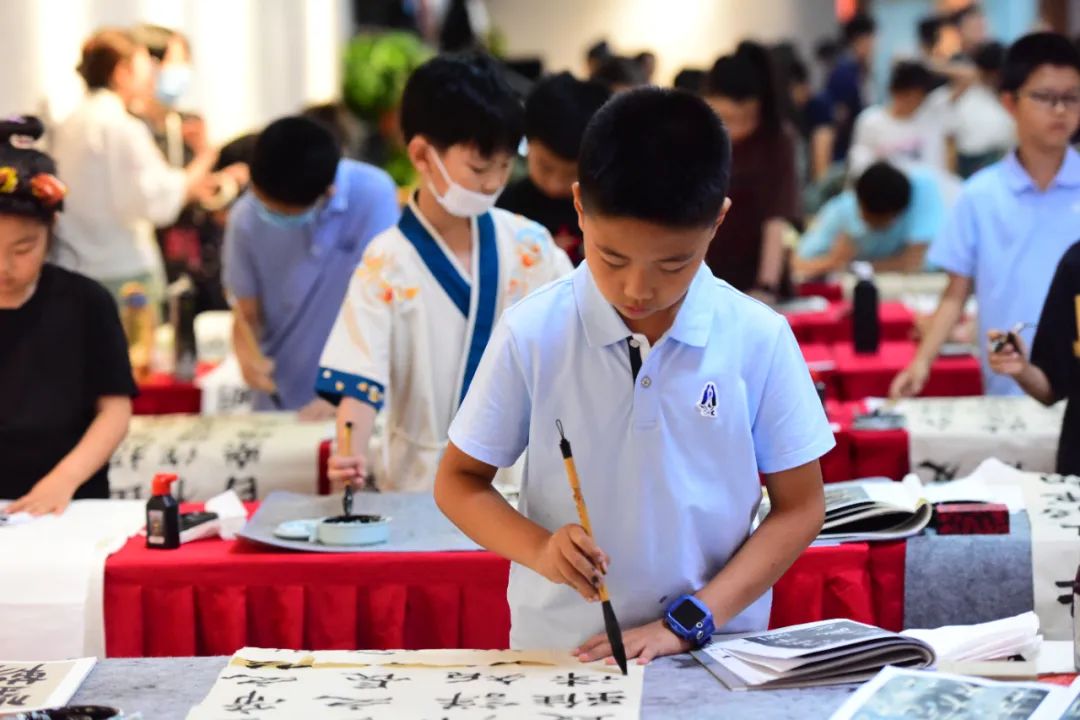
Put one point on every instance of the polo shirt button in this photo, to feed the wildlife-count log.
(646, 381)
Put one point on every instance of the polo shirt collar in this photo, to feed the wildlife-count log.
(604, 326)
(1018, 179)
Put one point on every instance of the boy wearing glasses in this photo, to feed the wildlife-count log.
(1015, 219)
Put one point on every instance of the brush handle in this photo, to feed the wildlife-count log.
(346, 438)
(582, 511)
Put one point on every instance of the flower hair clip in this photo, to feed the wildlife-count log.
(9, 180)
(48, 189)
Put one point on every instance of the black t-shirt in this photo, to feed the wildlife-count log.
(556, 214)
(1056, 351)
(59, 352)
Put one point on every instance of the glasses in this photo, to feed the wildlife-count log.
(1051, 100)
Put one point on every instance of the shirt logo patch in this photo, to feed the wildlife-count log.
(707, 405)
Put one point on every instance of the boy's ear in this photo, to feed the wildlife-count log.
(723, 213)
(576, 190)
(417, 149)
(1008, 101)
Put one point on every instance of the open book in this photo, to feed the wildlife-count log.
(829, 652)
(29, 686)
(872, 510)
(897, 693)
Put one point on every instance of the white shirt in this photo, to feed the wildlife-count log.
(879, 135)
(668, 463)
(121, 188)
(980, 123)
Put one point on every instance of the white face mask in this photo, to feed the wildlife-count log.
(459, 201)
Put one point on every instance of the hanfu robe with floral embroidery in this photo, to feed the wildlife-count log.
(413, 326)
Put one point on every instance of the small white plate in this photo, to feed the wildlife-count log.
(297, 529)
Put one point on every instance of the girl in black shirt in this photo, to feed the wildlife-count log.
(65, 378)
(1053, 373)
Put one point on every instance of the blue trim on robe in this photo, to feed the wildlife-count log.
(440, 267)
(488, 299)
(332, 385)
(457, 288)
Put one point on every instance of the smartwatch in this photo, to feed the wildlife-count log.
(691, 620)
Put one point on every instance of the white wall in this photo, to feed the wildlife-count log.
(681, 32)
(254, 60)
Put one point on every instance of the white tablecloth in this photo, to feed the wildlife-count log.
(52, 579)
(949, 437)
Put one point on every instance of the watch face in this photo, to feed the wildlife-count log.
(688, 614)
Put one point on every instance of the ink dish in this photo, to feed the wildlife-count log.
(353, 530)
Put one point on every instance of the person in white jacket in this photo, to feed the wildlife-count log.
(122, 186)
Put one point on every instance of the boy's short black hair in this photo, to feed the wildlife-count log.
(989, 57)
(858, 26)
(910, 75)
(826, 51)
(294, 160)
(598, 51)
(691, 80)
(929, 31)
(883, 190)
(558, 109)
(656, 155)
(618, 70)
(1032, 51)
(463, 99)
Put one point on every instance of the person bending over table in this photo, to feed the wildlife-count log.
(889, 219)
(65, 377)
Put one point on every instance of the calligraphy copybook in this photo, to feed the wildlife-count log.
(420, 684)
(29, 686)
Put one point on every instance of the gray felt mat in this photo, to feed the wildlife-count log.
(966, 579)
(416, 524)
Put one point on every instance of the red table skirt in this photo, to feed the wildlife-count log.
(834, 324)
(212, 597)
(862, 376)
(165, 395)
(863, 453)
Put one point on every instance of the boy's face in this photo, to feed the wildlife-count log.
(641, 268)
(877, 221)
(465, 165)
(905, 103)
(281, 208)
(552, 174)
(862, 47)
(1047, 107)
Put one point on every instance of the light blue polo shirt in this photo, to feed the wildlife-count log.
(668, 464)
(300, 274)
(1009, 236)
(920, 223)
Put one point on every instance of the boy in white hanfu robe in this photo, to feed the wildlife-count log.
(424, 300)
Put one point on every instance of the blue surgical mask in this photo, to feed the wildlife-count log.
(172, 82)
(285, 222)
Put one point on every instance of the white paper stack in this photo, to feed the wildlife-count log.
(994, 640)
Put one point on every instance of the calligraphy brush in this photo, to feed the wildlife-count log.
(346, 501)
(275, 398)
(611, 623)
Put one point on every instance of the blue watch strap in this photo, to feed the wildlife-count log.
(700, 632)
